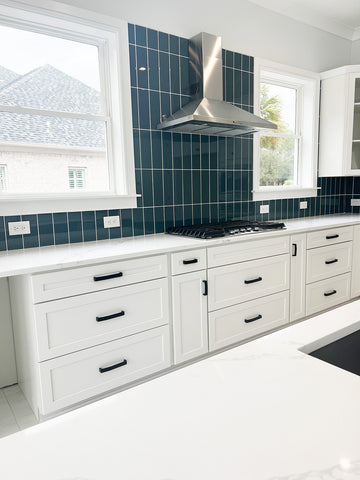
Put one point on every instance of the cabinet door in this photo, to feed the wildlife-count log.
(355, 277)
(297, 277)
(189, 316)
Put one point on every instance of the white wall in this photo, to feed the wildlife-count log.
(245, 27)
(355, 53)
(7, 357)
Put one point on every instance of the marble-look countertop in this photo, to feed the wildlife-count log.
(41, 259)
(261, 411)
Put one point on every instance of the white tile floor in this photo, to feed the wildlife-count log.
(15, 412)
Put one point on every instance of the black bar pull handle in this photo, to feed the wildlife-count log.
(99, 278)
(329, 262)
(188, 262)
(329, 237)
(258, 279)
(113, 367)
(327, 294)
(205, 288)
(252, 319)
(294, 249)
(109, 317)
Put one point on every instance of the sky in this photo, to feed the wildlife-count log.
(288, 101)
(22, 51)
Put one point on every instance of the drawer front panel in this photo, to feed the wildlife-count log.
(329, 236)
(327, 293)
(67, 283)
(76, 377)
(190, 261)
(246, 281)
(71, 324)
(233, 324)
(247, 250)
(325, 262)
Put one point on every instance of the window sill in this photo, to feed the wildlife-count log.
(273, 194)
(31, 204)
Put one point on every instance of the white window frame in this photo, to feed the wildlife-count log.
(307, 85)
(83, 170)
(3, 181)
(111, 36)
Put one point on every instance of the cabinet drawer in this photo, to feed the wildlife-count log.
(325, 262)
(72, 378)
(64, 326)
(248, 319)
(190, 261)
(67, 283)
(329, 236)
(247, 250)
(238, 283)
(327, 293)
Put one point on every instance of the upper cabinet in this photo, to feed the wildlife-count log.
(339, 153)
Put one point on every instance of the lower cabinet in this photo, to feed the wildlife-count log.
(327, 293)
(189, 293)
(355, 270)
(297, 277)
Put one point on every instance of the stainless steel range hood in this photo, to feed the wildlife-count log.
(207, 113)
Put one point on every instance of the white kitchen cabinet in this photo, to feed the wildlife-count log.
(189, 294)
(297, 276)
(339, 152)
(355, 270)
(327, 293)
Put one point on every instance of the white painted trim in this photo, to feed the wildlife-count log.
(45, 148)
(284, 193)
(52, 113)
(335, 72)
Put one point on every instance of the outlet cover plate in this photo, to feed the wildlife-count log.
(355, 202)
(264, 209)
(19, 228)
(111, 222)
(303, 205)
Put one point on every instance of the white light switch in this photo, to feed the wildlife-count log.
(355, 202)
(110, 222)
(303, 205)
(264, 209)
(19, 228)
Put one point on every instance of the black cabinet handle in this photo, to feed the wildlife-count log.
(329, 262)
(113, 367)
(252, 319)
(329, 237)
(99, 278)
(188, 262)
(109, 317)
(327, 294)
(294, 252)
(205, 288)
(253, 280)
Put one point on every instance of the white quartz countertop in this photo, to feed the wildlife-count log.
(260, 411)
(32, 260)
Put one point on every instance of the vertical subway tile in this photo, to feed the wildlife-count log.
(154, 79)
(145, 149)
(75, 227)
(140, 35)
(126, 222)
(32, 240)
(61, 231)
(131, 33)
(46, 229)
(89, 227)
(175, 74)
(101, 232)
(164, 72)
(138, 219)
(142, 67)
(144, 114)
(204, 149)
(149, 221)
(156, 152)
(159, 219)
(14, 242)
(152, 39)
(184, 47)
(195, 151)
(2, 235)
(115, 232)
(163, 42)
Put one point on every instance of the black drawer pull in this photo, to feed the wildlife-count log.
(329, 262)
(252, 319)
(327, 294)
(329, 237)
(258, 279)
(99, 278)
(188, 262)
(109, 317)
(113, 367)
(205, 287)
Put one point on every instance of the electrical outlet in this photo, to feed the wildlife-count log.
(264, 209)
(355, 202)
(303, 205)
(111, 222)
(19, 228)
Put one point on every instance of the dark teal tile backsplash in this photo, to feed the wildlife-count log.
(182, 178)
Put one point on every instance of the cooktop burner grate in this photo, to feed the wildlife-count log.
(223, 229)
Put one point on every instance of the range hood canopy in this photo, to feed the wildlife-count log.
(207, 113)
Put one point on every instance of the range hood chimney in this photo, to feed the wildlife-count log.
(207, 113)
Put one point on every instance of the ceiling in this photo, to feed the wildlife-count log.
(341, 18)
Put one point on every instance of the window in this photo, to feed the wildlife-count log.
(77, 179)
(64, 91)
(285, 159)
(3, 179)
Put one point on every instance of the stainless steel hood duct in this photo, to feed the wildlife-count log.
(207, 113)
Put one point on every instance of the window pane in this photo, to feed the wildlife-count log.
(46, 147)
(278, 161)
(48, 73)
(278, 105)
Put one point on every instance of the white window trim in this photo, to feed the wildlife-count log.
(308, 150)
(116, 74)
(3, 167)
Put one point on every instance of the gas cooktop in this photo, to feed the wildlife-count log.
(224, 229)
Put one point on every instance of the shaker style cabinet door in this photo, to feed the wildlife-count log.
(297, 276)
(355, 275)
(190, 316)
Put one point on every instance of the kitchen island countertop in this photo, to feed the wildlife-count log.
(261, 411)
